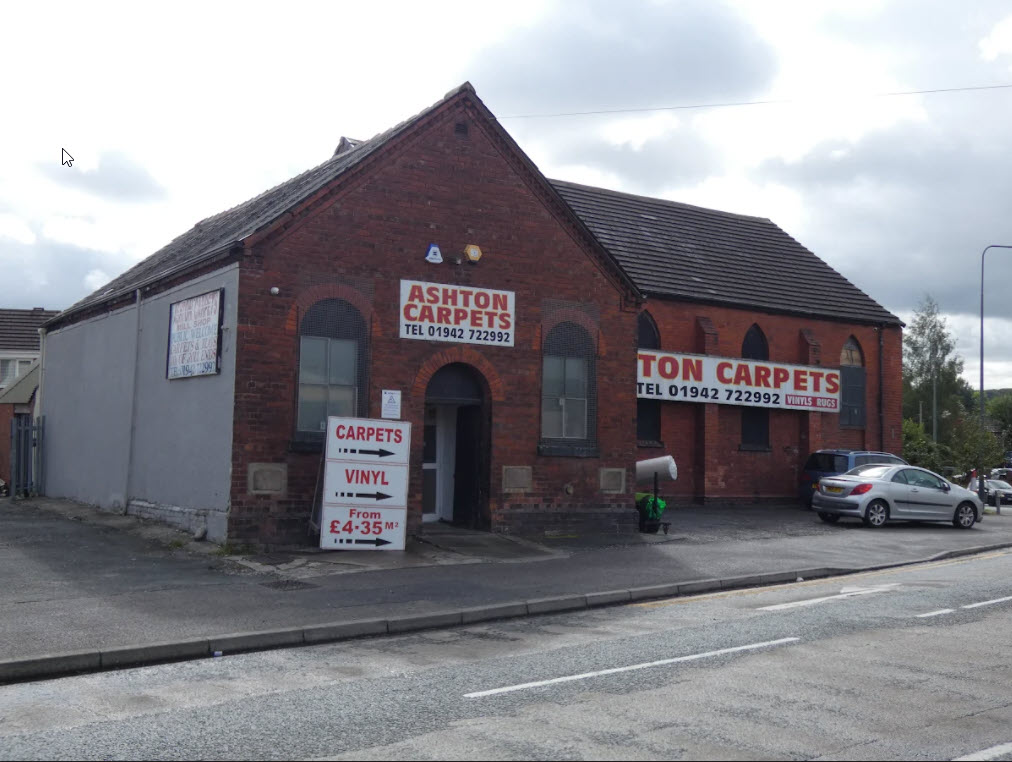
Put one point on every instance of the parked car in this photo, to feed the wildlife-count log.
(832, 462)
(993, 487)
(877, 494)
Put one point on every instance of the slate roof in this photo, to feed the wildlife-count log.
(702, 255)
(219, 233)
(19, 329)
(665, 248)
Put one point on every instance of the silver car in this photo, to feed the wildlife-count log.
(877, 494)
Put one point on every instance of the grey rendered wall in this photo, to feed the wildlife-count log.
(180, 454)
(88, 385)
(183, 437)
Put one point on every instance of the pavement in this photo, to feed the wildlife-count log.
(85, 590)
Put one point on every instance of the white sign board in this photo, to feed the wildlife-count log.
(361, 528)
(461, 314)
(733, 381)
(194, 329)
(358, 483)
(391, 407)
(365, 484)
(368, 440)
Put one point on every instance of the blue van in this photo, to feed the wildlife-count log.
(833, 462)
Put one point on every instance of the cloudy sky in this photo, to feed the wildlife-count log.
(174, 112)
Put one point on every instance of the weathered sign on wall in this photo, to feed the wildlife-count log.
(195, 335)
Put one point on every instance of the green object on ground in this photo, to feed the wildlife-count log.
(651, 508)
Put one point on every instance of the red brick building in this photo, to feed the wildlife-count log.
(522, 395)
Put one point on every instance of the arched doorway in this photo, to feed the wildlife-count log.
(455, 458)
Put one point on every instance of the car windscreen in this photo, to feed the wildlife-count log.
(869, 471)
(826, 462)
(996, 484)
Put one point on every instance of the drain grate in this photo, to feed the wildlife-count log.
(287, 585)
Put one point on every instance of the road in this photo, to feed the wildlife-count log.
(910, 663)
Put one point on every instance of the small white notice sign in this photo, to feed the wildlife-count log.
(391, 407)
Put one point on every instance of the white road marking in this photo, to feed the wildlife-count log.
(993, 753)
(847, 592)
(987, 603)
(615, 670)
(935, 613)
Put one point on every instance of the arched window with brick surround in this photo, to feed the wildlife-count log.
(648, 412)
(755, 421)
(333, 358)
(852, 385)
(568, 392)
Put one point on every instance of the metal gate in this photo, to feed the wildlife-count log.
(26, 455)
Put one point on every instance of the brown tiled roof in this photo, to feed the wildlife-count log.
(702, 255)
(19, 329)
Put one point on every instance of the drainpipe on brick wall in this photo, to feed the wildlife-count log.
(881, 388)
(133, 404)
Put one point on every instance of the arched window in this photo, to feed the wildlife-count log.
(755, 421)
(333, 345)
(648, 412)
(852, 385)
(568, 388)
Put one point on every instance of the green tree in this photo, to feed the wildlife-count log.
(1000, 410)
(919, 450)
(974, 446)
(932, 384)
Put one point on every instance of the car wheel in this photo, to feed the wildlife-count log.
(965, 517)
(876, 514)
(829, 518)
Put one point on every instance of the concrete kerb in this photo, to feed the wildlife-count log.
(58, 665)
(52, 665)
(156, 652)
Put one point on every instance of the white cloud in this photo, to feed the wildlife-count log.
(16, 229)
(79, 231)
(998, 42)
(95, 279)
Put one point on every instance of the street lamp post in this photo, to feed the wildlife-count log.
(980, 466)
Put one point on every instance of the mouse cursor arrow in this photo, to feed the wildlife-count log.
(68, 160)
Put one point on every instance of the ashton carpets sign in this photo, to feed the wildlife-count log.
(461, 314)
(733, 381)
(194, 330)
